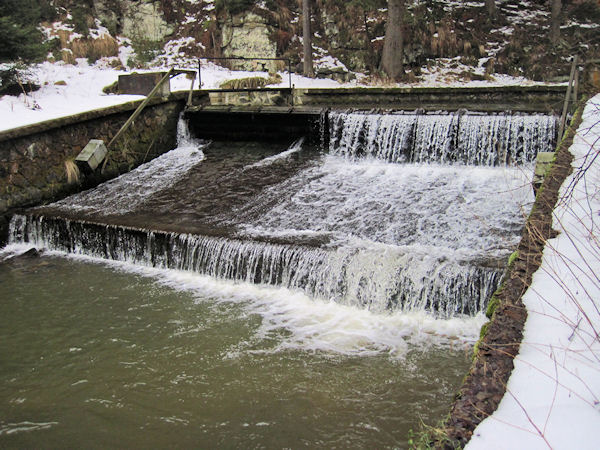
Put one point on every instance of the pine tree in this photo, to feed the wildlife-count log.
(21, 39)
(22, 42)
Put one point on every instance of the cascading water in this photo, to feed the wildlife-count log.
(349, 227)
(128, 192)
(385, 278)
(468, 138)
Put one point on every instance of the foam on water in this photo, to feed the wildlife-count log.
(377, 277)
(26, 426)
(299, 322)
(438, 209)
(351, 228)
(294, 148)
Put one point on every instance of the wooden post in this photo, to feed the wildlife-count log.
(576, 86)
(136, 113)
(563, 117)
(190, 94)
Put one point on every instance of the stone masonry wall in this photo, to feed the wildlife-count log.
(32, 159)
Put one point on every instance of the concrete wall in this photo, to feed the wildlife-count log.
(546, 99)
(32, 158)
(264, 124)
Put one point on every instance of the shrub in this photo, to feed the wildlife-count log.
(145, 51)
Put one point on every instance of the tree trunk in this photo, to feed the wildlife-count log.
(307, 39)
(393, 46)
(490, 6)
(555, 21)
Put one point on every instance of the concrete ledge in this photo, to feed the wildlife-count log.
(546, 98)
(551, 88)
(303, 110)
(537, 98)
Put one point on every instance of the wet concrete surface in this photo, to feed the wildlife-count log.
(205, 199)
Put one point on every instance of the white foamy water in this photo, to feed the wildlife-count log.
(26, 426)
(377, 277)
(350, 229)
(293, 149)
(129, 191)
(432, 208)
(464, 138)
(299, 322)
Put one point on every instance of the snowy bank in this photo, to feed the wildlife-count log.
(552, 398)
(67, 89)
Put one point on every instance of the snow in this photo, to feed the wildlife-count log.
(84, 83)
(553, 394)
(82, 92)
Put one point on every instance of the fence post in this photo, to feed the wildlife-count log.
(563, 117)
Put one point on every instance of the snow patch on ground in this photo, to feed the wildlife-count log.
(81, 92)
(553, 394)
(83, 86)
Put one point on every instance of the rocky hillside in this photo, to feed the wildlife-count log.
(348, 35)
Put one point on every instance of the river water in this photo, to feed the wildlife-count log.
(265, 295)
(100, 355)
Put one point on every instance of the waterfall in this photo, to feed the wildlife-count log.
(464, 138)
(130, 190)
(430, 231)
(379, 279)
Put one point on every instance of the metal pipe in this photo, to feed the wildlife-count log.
(136, 113)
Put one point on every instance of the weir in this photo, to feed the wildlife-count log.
(399, 212)
(467, 138)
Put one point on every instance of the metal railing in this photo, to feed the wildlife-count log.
(242, 58)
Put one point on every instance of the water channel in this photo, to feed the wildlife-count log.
(265, 295)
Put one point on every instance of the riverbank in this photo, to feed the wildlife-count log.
(546, 319)
(553, 393)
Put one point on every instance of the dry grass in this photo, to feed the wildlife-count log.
(72, 171)
(251, 82)
(444, 41)
(95, 48)
(67, 56)
(92, 49)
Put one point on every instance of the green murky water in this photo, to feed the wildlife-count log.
(94, 356)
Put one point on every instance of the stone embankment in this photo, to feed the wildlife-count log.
(485, 384)
(33, 158)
